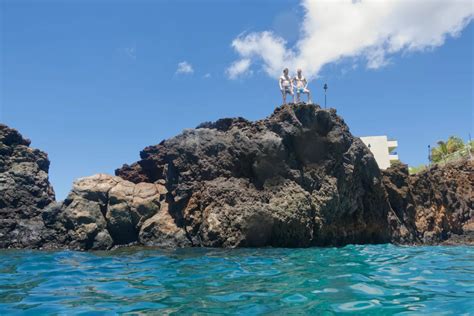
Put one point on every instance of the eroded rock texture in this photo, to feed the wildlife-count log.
(103, 211)
(295, 179)
(434, 205)
(24, 190)
(298, 178)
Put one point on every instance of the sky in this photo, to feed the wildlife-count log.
(94, 82)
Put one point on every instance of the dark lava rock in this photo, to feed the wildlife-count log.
(24, 191)
(434, 205)
(295, 179)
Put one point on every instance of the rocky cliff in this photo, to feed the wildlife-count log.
(295, 179)
(24, 190)
(434, 205)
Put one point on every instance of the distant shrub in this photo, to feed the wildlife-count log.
(414, 170)
(395, 163)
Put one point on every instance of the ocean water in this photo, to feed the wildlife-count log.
(360, 280)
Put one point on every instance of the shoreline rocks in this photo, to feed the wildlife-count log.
(435, 205)
(297, 178)
(24, 190)
(103, 211)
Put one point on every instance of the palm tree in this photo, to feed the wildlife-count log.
(440, 152)
(454, 144)
(444, 149)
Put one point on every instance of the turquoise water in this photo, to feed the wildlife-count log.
(364, 280)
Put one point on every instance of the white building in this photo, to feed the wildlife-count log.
(382, 148)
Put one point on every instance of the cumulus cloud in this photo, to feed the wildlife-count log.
(239, 68)
(184, 68)
(368, 30)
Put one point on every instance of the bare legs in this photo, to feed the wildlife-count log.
(284, 93)
(307, 92)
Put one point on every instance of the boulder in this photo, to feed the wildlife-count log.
(103, 211)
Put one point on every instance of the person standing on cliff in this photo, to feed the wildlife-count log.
(301, 86)
(286, 85)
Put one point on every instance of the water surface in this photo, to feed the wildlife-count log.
(368, 280)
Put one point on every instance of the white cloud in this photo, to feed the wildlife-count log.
(239, 68)
(370, 30)
(131, 52)
(207, 76)
(184, 68)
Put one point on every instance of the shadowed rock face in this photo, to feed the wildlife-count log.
(296, 179)
(434, 205)
(24, 190)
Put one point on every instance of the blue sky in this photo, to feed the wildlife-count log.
(94, 82)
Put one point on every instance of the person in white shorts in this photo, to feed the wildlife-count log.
(301, 86)
(286, 85)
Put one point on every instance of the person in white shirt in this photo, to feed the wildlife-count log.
(286, 85)
(301, 86)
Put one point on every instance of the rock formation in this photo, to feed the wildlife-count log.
(24, 190)
(434, 205)
(103, 211)
(295, 179)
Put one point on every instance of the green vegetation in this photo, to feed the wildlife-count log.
(452, 149)
(446, 149)
(395, 163)
(414, 170)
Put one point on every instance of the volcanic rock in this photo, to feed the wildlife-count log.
(24, 190)
(103, 211)
(434, 205)
(295, 179)
(298, 178)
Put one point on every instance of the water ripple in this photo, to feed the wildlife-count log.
(369, 280)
